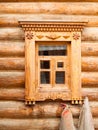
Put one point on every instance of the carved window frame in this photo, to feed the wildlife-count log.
(52, 31)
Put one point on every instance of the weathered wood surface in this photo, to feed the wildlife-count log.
(89, 48)
(28, 124)
(9, 48)
(11, 20)
(18, 94)
(16, 78)
(11, 79)
(16, 63)
(40, 110)
(16, 48)
(35, 124)
(89, 34)
(12, 63)
(81, 8)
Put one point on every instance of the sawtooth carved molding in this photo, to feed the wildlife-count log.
(55, 31)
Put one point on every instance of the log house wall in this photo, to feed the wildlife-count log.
(14, 115)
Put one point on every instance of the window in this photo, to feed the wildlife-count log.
(52, 65)
(52, 60)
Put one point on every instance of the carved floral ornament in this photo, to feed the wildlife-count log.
(57, 32)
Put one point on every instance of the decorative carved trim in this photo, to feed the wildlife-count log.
(29, 35)
(52, 26)
(40, 36)
(53, 37)
(76, 36)
(66, 37)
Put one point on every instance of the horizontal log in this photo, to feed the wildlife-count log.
(9, 48)
(11, 79)
(12, 20)
(90, 78)
(16, 79)
(29, 124)
(40, 110)
(89, 34)
(12, 63)
(10, 94)
(50, 8)
(6, 48)
(88, 64)
(38, 124)
(48, 1)
(89, 48)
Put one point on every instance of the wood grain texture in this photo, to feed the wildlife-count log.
(89, 48)
(11, 79)
(16, 79)
(89, 34)
(40, 110)
(56, 7)
(11, 20)
(11, 48)
(89, 64)
(28, 124)
(12, 63)
(16, 48)
(10, 94)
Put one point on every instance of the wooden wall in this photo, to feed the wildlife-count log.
(14, 115)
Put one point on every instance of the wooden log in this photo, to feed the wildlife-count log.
(6, 48)
(50, 8)
(28, 124)
(90, 64)
(9, 48)
(11, 20)
(10, 94)
(12, 63)
(89, 48)
(18, 34)
(11, 79)
(90, 78)
(39, 110)
(38, 124)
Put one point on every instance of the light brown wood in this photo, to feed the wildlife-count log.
(12, 63)
(89, 34)
(55, 7)
(28, 124)
(11, 48)
(11, 79)
(11, 20)
(40, 110)
(89, 48)
(52, 31)
(76, 66)
(16, 79)
(90, 78)
(90, 64)
(29, 65)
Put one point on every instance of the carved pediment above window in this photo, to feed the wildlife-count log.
(48, 26)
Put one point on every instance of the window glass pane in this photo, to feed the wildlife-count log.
(60, 77)
(45, 64)
(44, 77)
(60, 64)
(57, 50)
